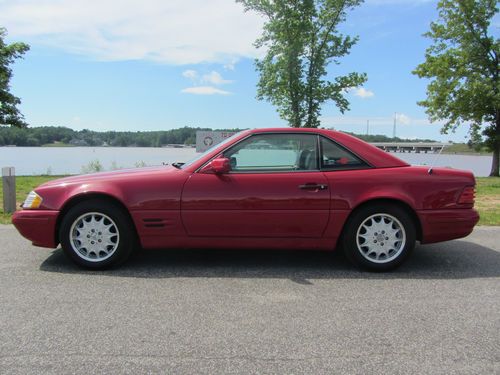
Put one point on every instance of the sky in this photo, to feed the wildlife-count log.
(158, 65)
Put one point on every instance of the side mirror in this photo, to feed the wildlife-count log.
(218, 166)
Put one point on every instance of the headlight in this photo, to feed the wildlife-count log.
(33, 200)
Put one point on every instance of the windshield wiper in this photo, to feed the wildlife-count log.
(177, 165)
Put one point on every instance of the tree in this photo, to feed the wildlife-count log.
(462, 65)
(9, 114)
(302, 39)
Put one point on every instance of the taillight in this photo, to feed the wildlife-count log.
(467, 196)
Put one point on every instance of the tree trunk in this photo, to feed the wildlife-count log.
(495, 165)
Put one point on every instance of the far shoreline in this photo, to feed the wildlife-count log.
(462, 153)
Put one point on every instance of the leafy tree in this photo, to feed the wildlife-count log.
(462, 64)
(302, 39)
(9, 114)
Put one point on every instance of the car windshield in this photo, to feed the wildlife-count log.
(200, 156)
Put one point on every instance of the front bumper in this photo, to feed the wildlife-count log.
(38, 226)
(445, 225)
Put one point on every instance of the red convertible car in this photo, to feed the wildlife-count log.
(309, 189)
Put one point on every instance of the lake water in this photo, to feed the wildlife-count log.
(71, 160)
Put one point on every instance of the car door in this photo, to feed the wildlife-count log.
(274, 189)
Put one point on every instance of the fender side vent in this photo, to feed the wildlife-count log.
(154, 222)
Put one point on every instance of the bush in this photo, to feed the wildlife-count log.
(92, 167)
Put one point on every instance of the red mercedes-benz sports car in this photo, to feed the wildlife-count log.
(309, 189)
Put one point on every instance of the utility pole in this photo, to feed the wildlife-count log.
(394, 127)
(367, 127)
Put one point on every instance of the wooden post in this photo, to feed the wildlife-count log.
(9, 189)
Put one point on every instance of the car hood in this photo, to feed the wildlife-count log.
(113, 175)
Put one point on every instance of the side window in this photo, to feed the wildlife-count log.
(334, 156)
(274, 153)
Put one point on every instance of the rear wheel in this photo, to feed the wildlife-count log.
(379, 237)
(97, 234)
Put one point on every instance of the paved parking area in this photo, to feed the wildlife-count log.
(217, 312)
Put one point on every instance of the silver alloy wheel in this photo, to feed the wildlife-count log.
(94, 236)
(381, 238)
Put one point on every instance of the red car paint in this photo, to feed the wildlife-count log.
(196, 207)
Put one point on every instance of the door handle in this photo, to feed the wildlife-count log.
(313, 187)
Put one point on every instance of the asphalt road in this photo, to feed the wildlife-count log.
(217, 312)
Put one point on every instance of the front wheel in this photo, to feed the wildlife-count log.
(379, 237)
(96, 234)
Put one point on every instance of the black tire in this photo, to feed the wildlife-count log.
(365, 253)
(120, 245)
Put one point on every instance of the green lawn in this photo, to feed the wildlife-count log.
(488, 200)
(487, 196)
(24, 184)
(57, 144)
(463, 149)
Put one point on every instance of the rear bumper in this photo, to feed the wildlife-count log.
(37, 226)
(444, 225)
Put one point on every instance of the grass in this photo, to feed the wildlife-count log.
(24, 184)
(488, 200)
(57, 144)
(487, 196)
(464, 149)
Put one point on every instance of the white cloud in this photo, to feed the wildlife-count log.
(363, 93)
(230, 65)
(401, 118)
(204, 90)
(212, 78)
(173, 32)
(190, 74)
(215, 78)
